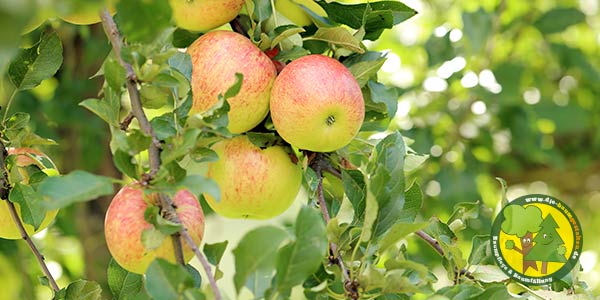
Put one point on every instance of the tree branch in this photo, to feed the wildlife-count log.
(166, 203)
(431, 241)
(5, 190)
(318, 164)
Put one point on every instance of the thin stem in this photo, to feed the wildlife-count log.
(317, 165)
(167, 205)
(8, 104)
(5, 190)
(431, 241)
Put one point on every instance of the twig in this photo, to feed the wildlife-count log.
(317, 164)
(431, 241)
(167, 206)
(5, 190)
(125, 123)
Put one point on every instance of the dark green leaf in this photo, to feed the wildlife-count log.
(292, 54)
(439, 49)
(195, 275)
(122, 283)
(256, 251)
(412, 205)
(214, 252)
(83, 290)
(356, 191)
(32, 65)
(164, 126)
(143, 20)
(558, 19)
(182, 62)
(77, 186)
(386, 167)
(165, 280)
(302, 257)
(477, 26)
(30, 203)
(183, 38)
(262, 140)
(234, 89)
(124, 162)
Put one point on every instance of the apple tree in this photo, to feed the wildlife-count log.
(243, 107)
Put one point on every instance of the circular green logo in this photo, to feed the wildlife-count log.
(536, 239)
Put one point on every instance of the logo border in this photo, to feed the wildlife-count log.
(518, 276)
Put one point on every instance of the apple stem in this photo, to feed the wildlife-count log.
(5, 190)
(153, 151)
(319, 164)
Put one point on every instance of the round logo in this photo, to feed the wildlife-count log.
(536, 239)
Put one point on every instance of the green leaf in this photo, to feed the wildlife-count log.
(114, 74)
(107, 109)
(183, 38)
(30, 202)
(32, 65)
(122, 283)
(461, 291)
(153, 216)
(558, 19)
(255, 253)
(283, 32)
(380, 94)
(292, 54)
(302, 257)
(371, 209)
(214, 252)
(262, 139)
(338, 36)
(365, 70)
(134, 19)
(439, 49)
(356, 191)
(180, 146)
(83, 290)
(500, 291)
(398, 232)
(234, 89)
(412, 205)
(165, 280)
(164, 126)
(198, 185)
(154, 97)
(124, 162)
(386, 167)
(488, 273)
(478, 27)
(152, 238)
(182, 62)
(374, 16)
(77, 186)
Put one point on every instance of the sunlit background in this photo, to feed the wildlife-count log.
(487, 90)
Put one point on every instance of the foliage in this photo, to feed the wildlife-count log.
(471, 64)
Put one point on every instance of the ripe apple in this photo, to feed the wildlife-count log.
(316, 104)
(291, 9)
(85, 12)
(25, 157)
(124, 224)
(204, 15)
(216, 57)
(255, 183)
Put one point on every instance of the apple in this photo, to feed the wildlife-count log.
(216, 57)
(255, 183)
(204, 15)
(316, 104)
(292, 10)
(25, 157)
(85, 12)
(124, 224)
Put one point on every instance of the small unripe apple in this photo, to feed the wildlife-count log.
(216, 57)
(204, 15)
(124, 224)
(255, 183)
(25, 157)
(292, 10)
(316, 104)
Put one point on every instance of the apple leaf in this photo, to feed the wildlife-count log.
(386, 167)
(134, 19)
(255, 253)
(283, 32)
(382, 95)
(198, 185)
(180, 145)
(77, 186)
(397, 232)
(413, 203)
(30, 203)
(481, 251)
(302, 257)
(122, 283)
(32, 65)
(165, 280)
(107, 109)
(558, 19)
(164, 126)
(81, 290)
(365, 70)
(152, 215)
(182, 62)
(292, 54)
(447, 240)
(114, 74)
(183, 38)
(356, 191)
(124, 162)
(338, 36)
(214, 252)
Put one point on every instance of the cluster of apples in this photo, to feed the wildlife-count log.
(315, 104)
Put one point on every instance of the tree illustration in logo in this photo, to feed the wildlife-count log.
(549, 246)
(522, 222)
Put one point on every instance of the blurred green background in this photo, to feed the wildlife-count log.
(490, 88)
